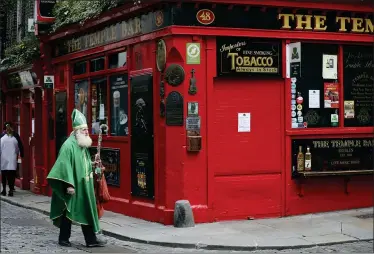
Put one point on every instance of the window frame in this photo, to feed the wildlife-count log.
(105, 73)
(324, 130)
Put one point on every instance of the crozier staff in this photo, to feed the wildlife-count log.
(72, 182)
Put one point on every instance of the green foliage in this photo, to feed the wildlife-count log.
(21, 53)
(68, 12)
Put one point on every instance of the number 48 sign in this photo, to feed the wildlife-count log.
(205, 16)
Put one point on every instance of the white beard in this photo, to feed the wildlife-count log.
(83, 140)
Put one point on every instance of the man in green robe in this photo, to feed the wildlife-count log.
(72, 183)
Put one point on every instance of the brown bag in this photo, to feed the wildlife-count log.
(103, 192)
(101, 189)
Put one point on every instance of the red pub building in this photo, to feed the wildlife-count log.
(248, 109)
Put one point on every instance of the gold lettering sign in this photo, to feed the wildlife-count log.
(251, 63)
(347, 143)
(109, 34)
(318, 23)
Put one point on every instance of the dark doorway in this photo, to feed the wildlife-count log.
(61, 121)
(142, 141)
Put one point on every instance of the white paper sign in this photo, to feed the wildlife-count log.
(101, 112)
(31, 25)
(330, 66)
(244, 122)
(295, 52)
(314, 99)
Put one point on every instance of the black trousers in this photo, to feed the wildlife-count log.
(65, 231)
(10, 177)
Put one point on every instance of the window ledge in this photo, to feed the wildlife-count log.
(332, 130)
(307, 174)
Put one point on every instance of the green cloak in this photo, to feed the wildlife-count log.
(73, 169)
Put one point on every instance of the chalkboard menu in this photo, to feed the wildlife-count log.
(308, 101)
(358, 86)
(238, 56)
(336, 154)
(110, 159)
(174, 109)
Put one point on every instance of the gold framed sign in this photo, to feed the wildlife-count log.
(161, 55)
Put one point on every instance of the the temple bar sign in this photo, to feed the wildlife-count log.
(319, 23)
(109, 34)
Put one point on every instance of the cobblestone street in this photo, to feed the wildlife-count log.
(26, 231)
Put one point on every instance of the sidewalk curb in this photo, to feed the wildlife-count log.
(191, 245)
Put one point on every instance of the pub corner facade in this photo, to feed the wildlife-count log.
(247, 110)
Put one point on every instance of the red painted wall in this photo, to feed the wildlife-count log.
(247, 165)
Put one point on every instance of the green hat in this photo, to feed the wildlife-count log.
(78, 119)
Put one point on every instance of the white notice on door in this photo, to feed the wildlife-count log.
(244, 122)
(314, 99)
(101, 112)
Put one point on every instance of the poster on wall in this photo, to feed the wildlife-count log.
(334, 154)
(111, 161)
(119, 105)
(237, 56)
(349, 109)
(295, 59)
(331, 93)
(81, 96)
(330, 66)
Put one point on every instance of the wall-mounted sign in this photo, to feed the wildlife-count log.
(193, 53)
(161, 55)
(193, 123)
(31, 25)
(294, 57)
(257, 17)
(336, 154)
(205, 16)
(330, 66)
(193, 108)
(241, 56)
(174, 109)
(111, 161)
(49, 81)
(112, 33)
(44, 10)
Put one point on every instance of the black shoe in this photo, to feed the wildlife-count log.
(64, 243)
(10, 194)
(97, 243)
(3, 193)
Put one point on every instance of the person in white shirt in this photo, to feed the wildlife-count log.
(11, 145)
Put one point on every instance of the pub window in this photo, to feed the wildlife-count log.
(117, 60)
(358, 86)
(81, 96)
(97, 64)
(315, 98)
(119, 107)
(80, 68)
(99, 108)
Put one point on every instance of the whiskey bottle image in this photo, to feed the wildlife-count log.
(300, 160)
(308, 159)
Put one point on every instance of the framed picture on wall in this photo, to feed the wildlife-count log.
(119, 105)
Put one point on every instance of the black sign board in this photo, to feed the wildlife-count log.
(111, 161)
(274, 18)
(358, 85)
(174, 109)
(46, 8)
(142, 141)
(336, 154)
(238, 56)
(128, 28)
